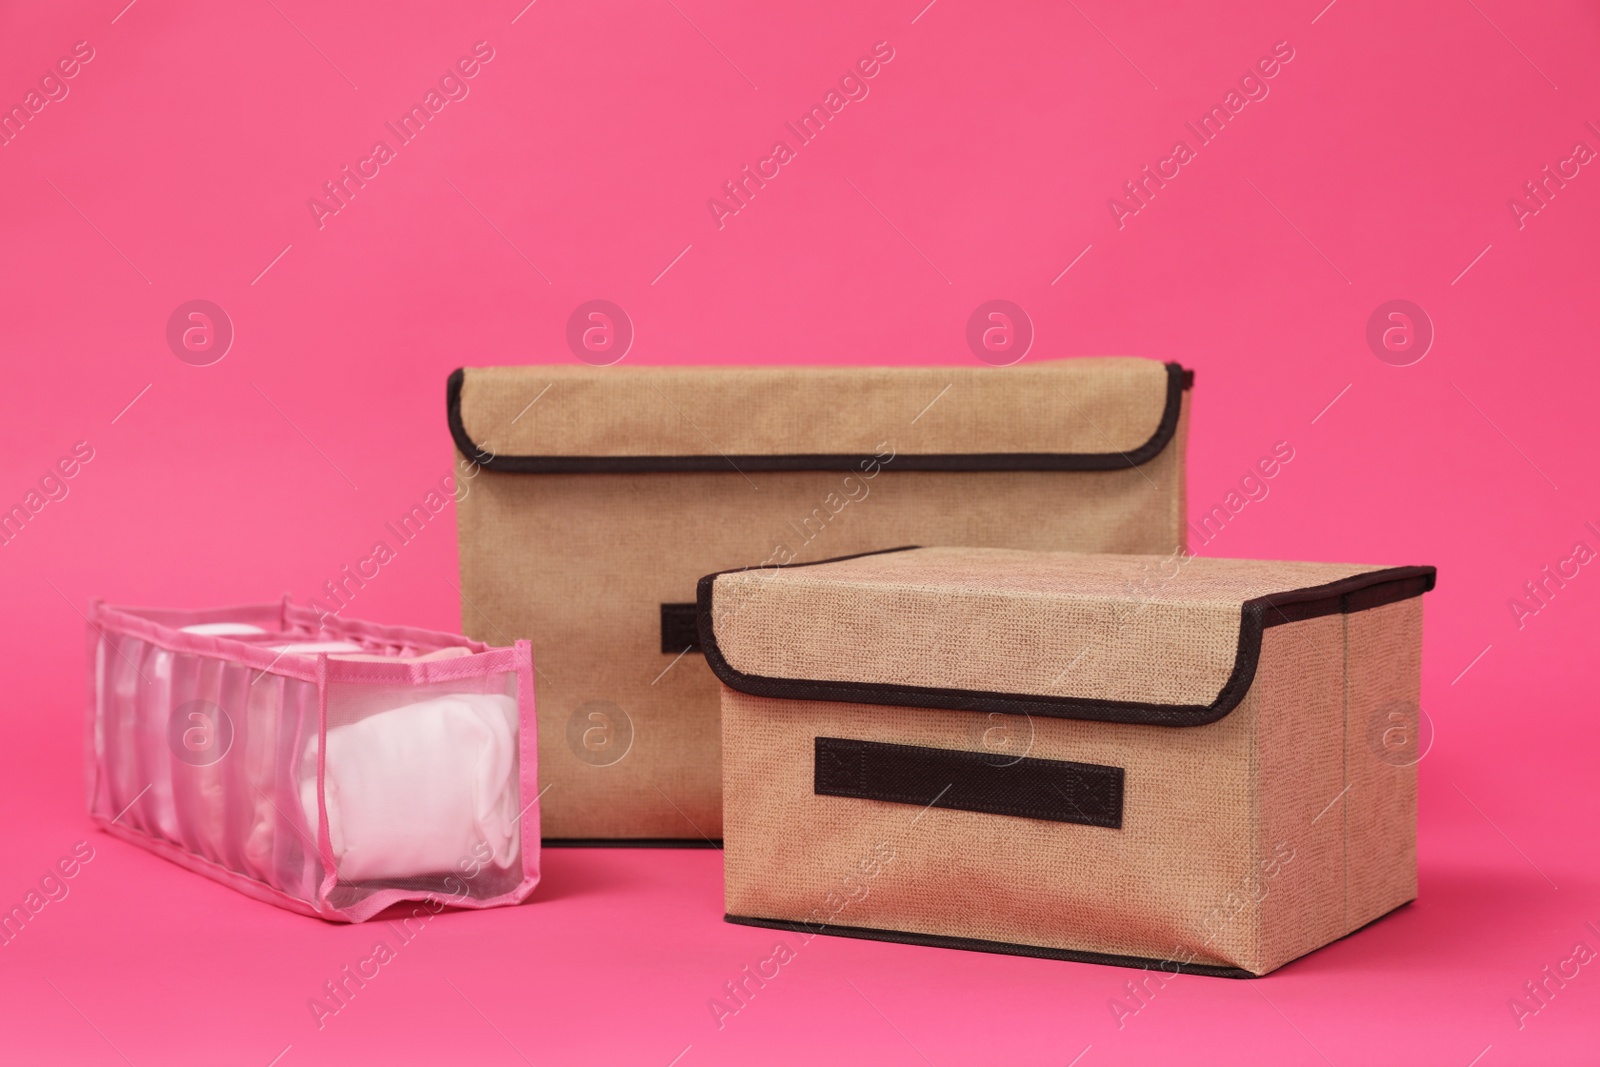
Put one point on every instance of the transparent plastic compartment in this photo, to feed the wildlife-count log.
(327, 765)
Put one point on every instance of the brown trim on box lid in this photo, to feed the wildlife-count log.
(1178, 381)
(1359, 592)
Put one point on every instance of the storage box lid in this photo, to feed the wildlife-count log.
(1169, 641)
(1081, 414)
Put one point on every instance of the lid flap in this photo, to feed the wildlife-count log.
(1143, 639)
(1081, 414)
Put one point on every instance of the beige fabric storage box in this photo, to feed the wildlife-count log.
(1177, 762)
(592, 499)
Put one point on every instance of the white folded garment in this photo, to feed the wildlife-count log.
(420, 789)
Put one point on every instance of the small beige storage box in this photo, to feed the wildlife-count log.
(1194, 763)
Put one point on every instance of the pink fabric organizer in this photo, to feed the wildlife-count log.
(329, 766)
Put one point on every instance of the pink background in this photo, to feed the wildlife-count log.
(1379, 167)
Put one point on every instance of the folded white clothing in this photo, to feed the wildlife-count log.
(420, 789)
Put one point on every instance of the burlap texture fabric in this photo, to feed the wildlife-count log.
(1044, 623)
(580, 563)
(1245, 843)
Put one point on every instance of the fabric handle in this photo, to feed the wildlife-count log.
(1056, 790)
(680, 631)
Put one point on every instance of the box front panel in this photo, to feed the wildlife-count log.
(1146, 889)
(581, 564)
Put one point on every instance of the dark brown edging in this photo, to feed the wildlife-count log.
(1360, 592)
(629, 842)
(973, 944)
(1178, 380)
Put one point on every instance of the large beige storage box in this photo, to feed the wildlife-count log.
(1179, 762)
(595, 498)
